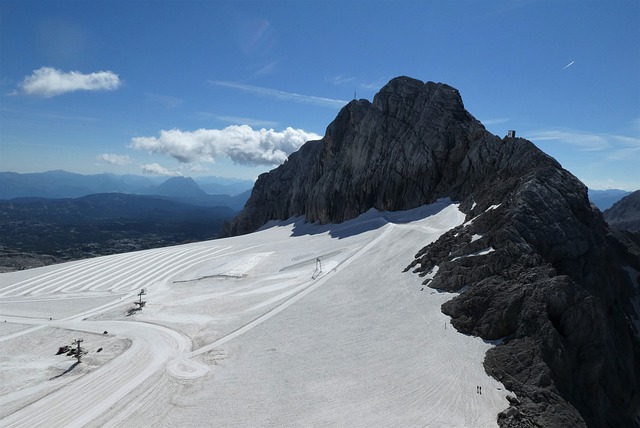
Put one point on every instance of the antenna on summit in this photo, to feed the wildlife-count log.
(354, 95)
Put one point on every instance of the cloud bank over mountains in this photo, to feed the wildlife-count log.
(157, 169)
(114, 159)
(49, 82)
(240, 143)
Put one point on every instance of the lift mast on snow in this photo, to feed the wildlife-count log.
(78, 351)
(140, 303)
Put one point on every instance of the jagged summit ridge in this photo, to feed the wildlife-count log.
(413, 144)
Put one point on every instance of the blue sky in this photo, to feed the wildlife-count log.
(230, 88)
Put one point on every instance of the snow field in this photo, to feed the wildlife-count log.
(30, 370)
(236, 333)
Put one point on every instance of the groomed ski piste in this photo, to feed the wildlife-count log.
(294, 325)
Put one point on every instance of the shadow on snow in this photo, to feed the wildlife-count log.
(371, 220)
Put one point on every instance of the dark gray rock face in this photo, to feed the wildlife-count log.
(625, 214)
(537, 264)
(554, 289)
(413, 144)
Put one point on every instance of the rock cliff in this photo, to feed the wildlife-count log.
(625, 214)
(413, 144)
(535, 264)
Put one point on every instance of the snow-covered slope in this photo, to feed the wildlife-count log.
(294, 325)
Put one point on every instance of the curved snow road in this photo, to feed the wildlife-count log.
(86, 398)
(154, 348)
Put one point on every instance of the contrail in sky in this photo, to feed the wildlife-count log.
(282, 95)
(568, 65)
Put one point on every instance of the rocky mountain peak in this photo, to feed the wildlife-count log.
(402, 95)
(180, 187)
(554, 285)
(413, 144)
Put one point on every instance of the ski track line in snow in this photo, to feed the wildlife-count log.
(21, 332)
(240, 270)
(154, 393)
(97, 276)
(40, 323)
(154, 347)
(161, 274)
(105, 272)
(94, 276)
(122, 300)
(310, 260)
(84, 399)
(75, 269)
(65, 273)
(199, 255)
(176, 367)
(315, 284)
(447, 398)
(110, 383)
(140, 268)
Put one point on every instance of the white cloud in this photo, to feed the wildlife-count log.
(242, 144)
(626, 148)
(267, 68)
(618, 147)
(583, 140)
(49, 82)
(358, 82)
(341, 80)
(282, 95)
(114, 159)
(610, 183)
(238, 120)
(495, 121)
(164, 100)
(157, 169)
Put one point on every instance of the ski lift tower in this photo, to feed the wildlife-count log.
(78, 351)
(140, 303)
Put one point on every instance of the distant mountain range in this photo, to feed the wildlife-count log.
(63, 184)
(38, 231)
(604, 199)
(57, 215)
(625, 214)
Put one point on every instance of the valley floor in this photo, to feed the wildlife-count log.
(294, 325)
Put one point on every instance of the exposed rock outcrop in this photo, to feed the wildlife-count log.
(413, 144)
(536, 264)
(625, 214)
(554, 289)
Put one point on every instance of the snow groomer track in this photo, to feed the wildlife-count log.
(246, 331)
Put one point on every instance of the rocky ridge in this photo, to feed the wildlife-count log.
(536, 266)
(625, 214)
